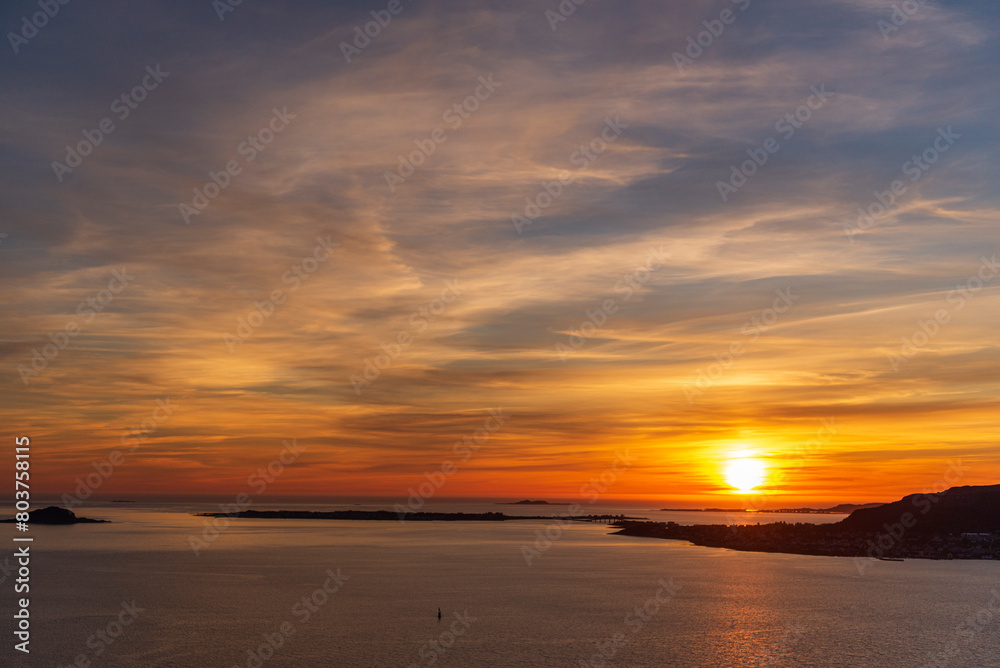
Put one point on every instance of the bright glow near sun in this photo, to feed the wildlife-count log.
(745, 473)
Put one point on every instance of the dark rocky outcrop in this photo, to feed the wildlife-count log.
(57, 515)
(957, 510)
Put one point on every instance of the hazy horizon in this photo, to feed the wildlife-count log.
(277, 499)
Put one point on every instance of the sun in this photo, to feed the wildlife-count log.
(745, 473)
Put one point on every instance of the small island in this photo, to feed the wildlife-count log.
(529, 502)
(56, 515)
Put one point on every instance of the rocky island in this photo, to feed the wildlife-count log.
(56, 515)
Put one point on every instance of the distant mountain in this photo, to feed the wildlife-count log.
(851, 507)
(957, 510)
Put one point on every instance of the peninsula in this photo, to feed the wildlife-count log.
(959, 523)
(382, 515)
(841, 509)
(378, 515)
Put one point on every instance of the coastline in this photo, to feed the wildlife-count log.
(826, 540)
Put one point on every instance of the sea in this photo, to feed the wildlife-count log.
(160, 586)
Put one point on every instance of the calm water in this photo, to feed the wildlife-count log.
(724, 608)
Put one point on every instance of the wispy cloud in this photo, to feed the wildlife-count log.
(324, 175)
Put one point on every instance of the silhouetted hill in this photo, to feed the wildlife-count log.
(959, 523)
(851, 507)
(957, 510)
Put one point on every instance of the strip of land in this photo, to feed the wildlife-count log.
(842, 509)
(820, 539)
(382, 515)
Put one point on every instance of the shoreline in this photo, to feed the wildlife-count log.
(824, 540)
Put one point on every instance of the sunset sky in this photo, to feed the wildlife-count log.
(725, 321)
